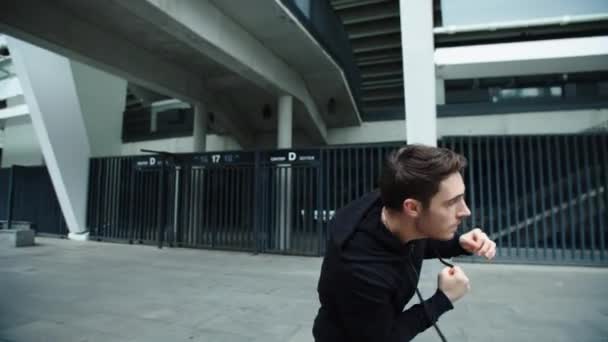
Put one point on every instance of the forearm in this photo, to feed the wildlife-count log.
(416, 319)
(445, 249)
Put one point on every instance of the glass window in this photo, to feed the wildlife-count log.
(304, 6)
(602, 88)
(556, 91)
(528, 93)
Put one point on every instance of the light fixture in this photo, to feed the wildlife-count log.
(331, 106)
(266, 112)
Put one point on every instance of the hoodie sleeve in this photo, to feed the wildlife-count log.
(446, 249)
(368, 314)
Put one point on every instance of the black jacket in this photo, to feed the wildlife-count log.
(368, 276)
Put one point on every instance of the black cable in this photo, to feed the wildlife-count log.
(444, 262)
(426, 310)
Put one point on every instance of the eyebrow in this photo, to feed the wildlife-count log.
(453, 199)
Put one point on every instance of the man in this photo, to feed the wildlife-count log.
(377, 244)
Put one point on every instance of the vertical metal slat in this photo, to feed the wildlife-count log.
(525, 193)
(579, 198)
(532, 169)
(541, 182)
(552, 188)
(600, 188)
(591, 194)
(507, 182)
(489, 192)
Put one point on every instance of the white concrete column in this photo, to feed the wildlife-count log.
(284, 140)
(420, 91)
(419, 71)
(199, 134)
(440, 91)
(285, 122)
(50, 94)
(102, 98)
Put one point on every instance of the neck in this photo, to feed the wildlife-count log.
(402, 228)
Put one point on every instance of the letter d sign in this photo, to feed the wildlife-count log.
(291, 156)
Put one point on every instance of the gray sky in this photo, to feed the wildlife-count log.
(466, 12)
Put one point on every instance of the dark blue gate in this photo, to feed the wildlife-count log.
(542, 198)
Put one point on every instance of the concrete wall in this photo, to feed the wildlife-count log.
(102, 99)
(15, 106)
(21, 146)
(519, 123)
(181, 145)
(173, 145)
(20, 138)
(11, 91)
(368, 132)
(529, 123)
(269, 140)
(10, 87)
(221, 143)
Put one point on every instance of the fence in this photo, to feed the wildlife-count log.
(27, 196)
(542, 198)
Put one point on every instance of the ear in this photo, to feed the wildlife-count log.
(412, 208)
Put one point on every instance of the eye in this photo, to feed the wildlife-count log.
(455, 201)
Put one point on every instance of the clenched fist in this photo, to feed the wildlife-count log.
(453, 282)
(478, 242)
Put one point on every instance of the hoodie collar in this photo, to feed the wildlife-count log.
(364, 215)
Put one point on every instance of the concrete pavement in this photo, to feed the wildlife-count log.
(64, 290)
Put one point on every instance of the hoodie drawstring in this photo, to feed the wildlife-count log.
(415, 285)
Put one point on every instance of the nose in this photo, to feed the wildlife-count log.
(464, 212)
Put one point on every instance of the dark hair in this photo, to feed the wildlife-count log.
(415, 171)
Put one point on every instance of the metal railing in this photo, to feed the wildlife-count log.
(28, 199)
(542, 198)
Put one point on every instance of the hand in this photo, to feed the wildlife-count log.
(453, 282)
(477, 242)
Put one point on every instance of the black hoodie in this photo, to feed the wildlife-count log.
(369, 275)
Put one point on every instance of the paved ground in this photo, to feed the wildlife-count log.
(74, 291)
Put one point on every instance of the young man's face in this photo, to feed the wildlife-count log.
(446, 210)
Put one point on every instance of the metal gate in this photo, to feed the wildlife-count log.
(28, 199)
(290, 212)
(131, 199)
(250, 201)
(216, 201)
(542, 198)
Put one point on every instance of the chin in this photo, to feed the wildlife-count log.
(446, 237)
